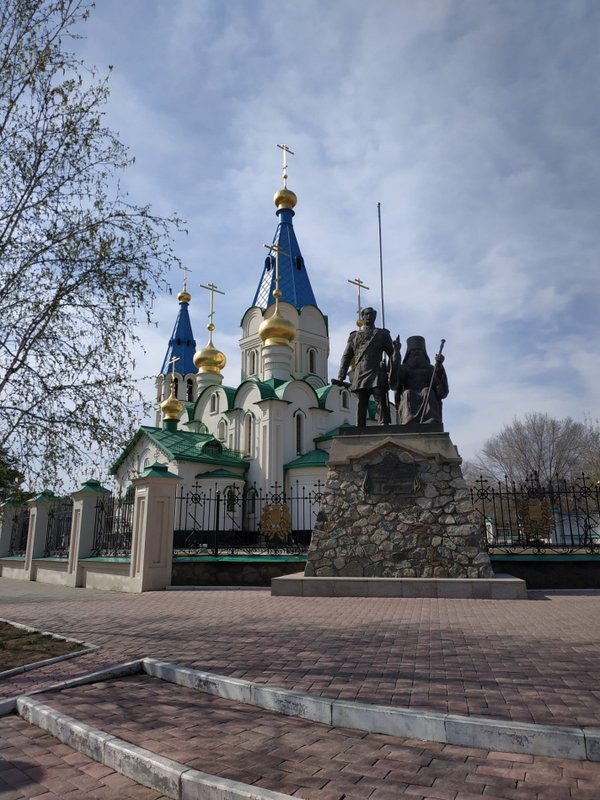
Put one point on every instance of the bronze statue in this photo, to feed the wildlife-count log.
(419, 387)
(365, 349)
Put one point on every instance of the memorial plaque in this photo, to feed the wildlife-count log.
(393, 479)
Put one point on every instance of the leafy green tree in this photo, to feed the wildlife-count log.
(11, 478)
(79, 262)
(542, 445)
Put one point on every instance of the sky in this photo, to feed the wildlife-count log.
(474, 123)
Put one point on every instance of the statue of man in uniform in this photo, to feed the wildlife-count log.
(419, 387)
(365, 350)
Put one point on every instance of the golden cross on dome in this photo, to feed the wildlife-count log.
(359, 285)
(212, 288)
(172, 364)
(274, 248)
(286, 150)
(185, 271)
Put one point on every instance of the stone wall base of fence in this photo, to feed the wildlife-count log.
(501, 587)
(14, 568)
(233, 570)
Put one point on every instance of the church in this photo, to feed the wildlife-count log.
(272, 430)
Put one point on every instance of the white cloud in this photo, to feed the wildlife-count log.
(476, 125)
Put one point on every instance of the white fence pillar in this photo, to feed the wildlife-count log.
(153, 519)
(82, 526)
(38, 527)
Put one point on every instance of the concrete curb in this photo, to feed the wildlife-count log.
(488, 733)
(9, 704)
(501, 587)
(162, 774)
(86, 648)
(483, 732)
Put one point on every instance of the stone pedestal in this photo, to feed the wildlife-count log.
(396, 505)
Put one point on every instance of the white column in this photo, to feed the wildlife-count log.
(83, 522)
(38, 527)
(153, 519)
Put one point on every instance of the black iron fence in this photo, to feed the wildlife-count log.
(58, 530)
(557, 516)
(18, 532)
(113, 526)
(245, 520)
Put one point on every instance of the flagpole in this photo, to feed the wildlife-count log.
(381, 265)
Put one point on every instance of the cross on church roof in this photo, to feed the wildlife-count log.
(359, 285)
(172, 364)
(285, 150)
(185, 271)
(212, 288)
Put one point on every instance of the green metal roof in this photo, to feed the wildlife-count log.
(316, 458)
(220, 473)
(184, 446)
(332, 433)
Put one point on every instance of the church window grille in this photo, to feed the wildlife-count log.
(214, 403)
(189, 390)
(176, 387)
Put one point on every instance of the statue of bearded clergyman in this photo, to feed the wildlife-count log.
(417, 397)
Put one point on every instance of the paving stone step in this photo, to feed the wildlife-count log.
(35, 764)
(306, 759)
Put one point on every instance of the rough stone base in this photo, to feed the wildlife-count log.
(395, 505)
(501, 587)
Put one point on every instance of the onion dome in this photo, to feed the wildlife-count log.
(277, 329)
(184, 296)
(209, 358)
(171, 407)
(285, 198)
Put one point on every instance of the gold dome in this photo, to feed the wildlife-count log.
(285, 198)
(277, 330)
(184, 296)
(209, 359)
(171, 407)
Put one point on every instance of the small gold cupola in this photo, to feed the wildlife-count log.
(210, 360)
(277, 330)
(171, 408)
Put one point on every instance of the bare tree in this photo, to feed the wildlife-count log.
(541, 445)
(79, 263)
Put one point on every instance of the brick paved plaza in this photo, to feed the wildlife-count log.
(533, 661)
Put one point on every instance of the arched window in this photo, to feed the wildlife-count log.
(249, 435)
(214, 403)
(299, 434)
(189, 392)
(252, 367)
(312, 360)
(222, 430)
(176, 387)
(345, 400)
